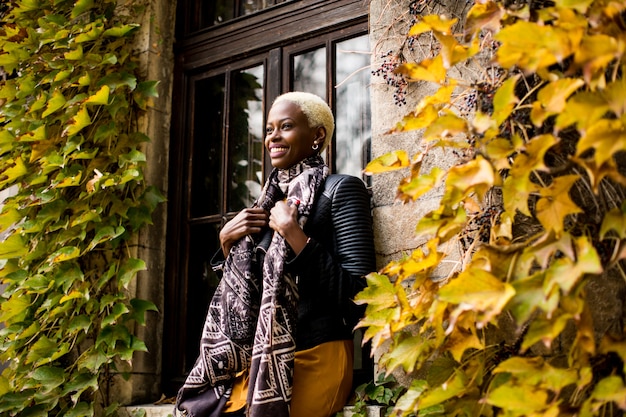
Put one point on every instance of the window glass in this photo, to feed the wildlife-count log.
(352, 118)
(309, 72)
(245, 137)
(206, 156)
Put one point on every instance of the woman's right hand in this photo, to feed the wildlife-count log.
(246, 222)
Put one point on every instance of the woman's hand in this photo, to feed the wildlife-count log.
(284, 220)
(246, 222)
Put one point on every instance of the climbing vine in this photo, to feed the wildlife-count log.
(71, 163)
(536, 203)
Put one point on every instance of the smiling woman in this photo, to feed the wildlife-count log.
(227, 77)
(278, 336)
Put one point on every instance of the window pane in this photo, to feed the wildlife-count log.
(246, 137)
(201, 283)
(309, 72)
(206, 161)
(215, 12)
(353, 106)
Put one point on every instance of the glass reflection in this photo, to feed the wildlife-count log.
(205, 159)
(352, 116)
(309, 72)
(245, 138)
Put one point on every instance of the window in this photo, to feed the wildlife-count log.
(227, 72)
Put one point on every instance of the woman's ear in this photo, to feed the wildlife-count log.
(320, 135)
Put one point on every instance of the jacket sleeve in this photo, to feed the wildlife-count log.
(337, 271)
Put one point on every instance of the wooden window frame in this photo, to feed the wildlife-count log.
(215, 50)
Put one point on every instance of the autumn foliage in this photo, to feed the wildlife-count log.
(537, 205)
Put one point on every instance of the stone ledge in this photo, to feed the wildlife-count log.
(167, 410)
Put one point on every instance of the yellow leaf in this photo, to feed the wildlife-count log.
(444, 126)
(484, 16)
(587, 261)
(580, 6)
(75, 55)
(551, 99)
(13, 172)
(547, 46)
(431, 70)
(594, 54)
(417, 120)
(437, 23)
(518, 399)
(478, 291)
(101, 97)
(614, 220)
(451, 51)
(417, 185)
(555, 203)
(504, 100)
(80, 121)
(71, 296)
(476, 176)
(584, 109)
(607, 137)
(460, 340)
(615, 96)
(34, 135)
(389, 162)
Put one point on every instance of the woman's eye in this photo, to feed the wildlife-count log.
(287, 126)
(268, 130)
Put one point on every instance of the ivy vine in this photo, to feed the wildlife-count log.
(537, 203)
(71, 159)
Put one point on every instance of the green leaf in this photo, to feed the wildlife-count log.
(49, 377)
(81, 409)
(128, 271)
(105, 234)
(120, 31)
(13, 247)
(43, 348)
(15, 308)
(118, 310)
(139, 308)
(81, 6)
(79, 323)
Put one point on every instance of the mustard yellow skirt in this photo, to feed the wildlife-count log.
(322, 381)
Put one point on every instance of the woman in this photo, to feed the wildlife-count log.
(278, 336)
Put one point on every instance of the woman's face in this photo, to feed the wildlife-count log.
(288, 137)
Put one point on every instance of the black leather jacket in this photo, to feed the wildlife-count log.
(331, 267)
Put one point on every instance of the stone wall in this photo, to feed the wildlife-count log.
(155, 48)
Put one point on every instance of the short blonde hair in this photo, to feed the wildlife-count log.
(316, 110)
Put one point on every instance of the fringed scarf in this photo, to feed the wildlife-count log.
(252, 315)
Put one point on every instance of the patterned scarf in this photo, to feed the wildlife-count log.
(252, 315)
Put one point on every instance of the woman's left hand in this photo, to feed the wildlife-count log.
(284, 220)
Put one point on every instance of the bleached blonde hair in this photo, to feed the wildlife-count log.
(316, 110)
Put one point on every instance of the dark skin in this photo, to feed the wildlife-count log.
(288, 140)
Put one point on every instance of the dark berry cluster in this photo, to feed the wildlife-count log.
(387, 70)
